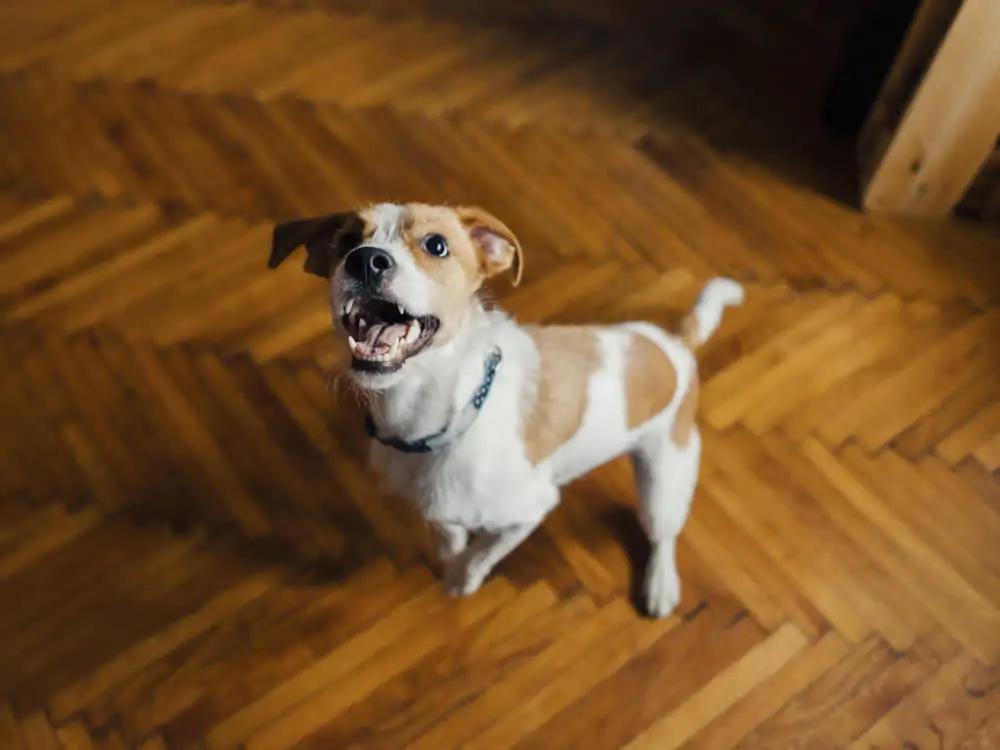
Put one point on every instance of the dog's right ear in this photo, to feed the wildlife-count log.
(326, 239)
(499, 249)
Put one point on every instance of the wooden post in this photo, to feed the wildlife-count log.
(950, 125)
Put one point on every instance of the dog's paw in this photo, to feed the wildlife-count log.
(663, 585)
(460, 580)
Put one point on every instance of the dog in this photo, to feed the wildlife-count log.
(479, 420)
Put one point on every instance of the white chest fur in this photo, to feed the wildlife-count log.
(483, 480)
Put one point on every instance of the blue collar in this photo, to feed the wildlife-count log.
(450, 432)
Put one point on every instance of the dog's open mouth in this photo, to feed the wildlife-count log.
(383, 334)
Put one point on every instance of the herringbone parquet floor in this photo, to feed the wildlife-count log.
(192, 554)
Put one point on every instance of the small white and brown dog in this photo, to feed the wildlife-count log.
(480, 420)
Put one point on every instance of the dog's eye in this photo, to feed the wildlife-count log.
(436, 245)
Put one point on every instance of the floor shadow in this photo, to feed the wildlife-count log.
(295, 543)
(750, 79)
(623, 525)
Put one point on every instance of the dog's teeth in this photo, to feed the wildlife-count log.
(402, 310)
(393, 349)
(348, 307)
(353, 344)
(412, 332)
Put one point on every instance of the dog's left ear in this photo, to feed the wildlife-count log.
(499, 249)
(326, 239)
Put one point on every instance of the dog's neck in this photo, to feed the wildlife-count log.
(438, 385)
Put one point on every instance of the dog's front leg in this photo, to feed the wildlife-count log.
(466, 573)
(451, 541)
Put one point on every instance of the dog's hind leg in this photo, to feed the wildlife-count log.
(666, 475)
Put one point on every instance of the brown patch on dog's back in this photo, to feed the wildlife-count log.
(686, 414)
(650, 380)
(568, 358)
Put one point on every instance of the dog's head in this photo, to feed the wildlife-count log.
(403, 278)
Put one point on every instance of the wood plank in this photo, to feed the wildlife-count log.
(723, 691)
(950, 126)
(927, 29)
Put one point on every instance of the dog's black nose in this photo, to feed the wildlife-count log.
(368, 264)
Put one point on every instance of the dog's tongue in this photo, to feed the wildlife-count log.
(383, 335)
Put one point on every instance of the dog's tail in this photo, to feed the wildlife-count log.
(699, 324)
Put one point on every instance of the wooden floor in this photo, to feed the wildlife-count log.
(191, 552)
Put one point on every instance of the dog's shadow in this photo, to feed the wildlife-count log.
(597, 512)
(623, 524)
(286, 488)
